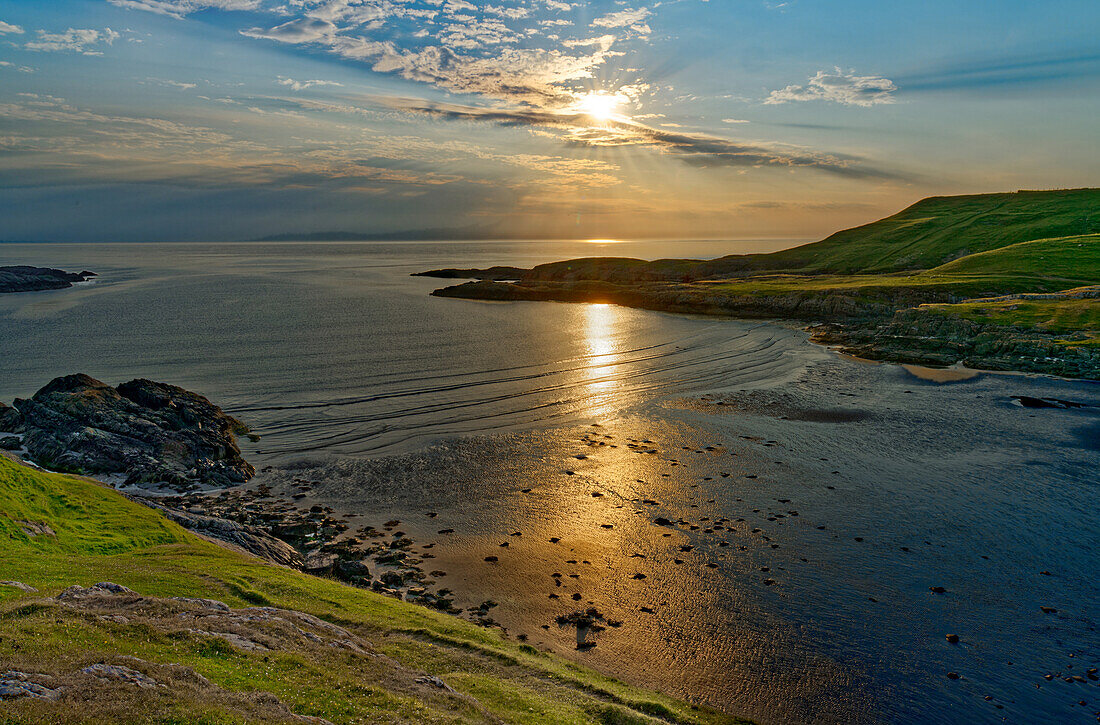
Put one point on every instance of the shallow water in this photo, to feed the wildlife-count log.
(332, 350)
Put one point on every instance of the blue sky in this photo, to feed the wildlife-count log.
(236, 119)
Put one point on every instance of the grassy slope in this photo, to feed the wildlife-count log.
(100, 536)
(1058, 316)
(1070, 261)
(936, 230)
(926, 235)
(1047, 265)
(1073, 259)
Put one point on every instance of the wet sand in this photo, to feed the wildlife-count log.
(778, 552)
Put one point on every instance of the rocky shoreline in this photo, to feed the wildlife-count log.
(921, 338)
(21, 278)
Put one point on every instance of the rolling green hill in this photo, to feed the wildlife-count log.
(938, 229)
(928, 234)
(1073, 259)
(288, 646)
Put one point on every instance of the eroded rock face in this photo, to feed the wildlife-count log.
(147, 431)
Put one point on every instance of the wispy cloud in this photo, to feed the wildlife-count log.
(6, 28)
(181, 8)
(838, 86)
(74, 40)
(302, 85)
(20, 68)
(631, 18)
(579, 129)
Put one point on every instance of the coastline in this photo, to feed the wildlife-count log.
(473, 521)
(869, 329)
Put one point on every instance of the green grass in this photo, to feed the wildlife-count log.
(935, 230)
(928, 234)
(1056, 316)
(102, 536)
(1047, 265)
(1076, 260)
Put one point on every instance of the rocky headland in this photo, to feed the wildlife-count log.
(918, 337)
(994, 281)
(21, 278)
(144, 432)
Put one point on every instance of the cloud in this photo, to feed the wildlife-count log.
(734, 120)
(633, 19)
(76, 40)
(302, 30)
(20, 68)
(9, 28)
(578, 129)
(172, 84)
(838, 87)
(302, 85)
(531, 76)
(180, 8)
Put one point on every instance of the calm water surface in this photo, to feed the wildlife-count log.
(334, 348)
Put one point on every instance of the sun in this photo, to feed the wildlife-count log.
(600, 106)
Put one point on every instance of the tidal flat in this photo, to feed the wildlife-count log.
(793, 554)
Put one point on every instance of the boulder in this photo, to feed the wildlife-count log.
(10, 420)
(149, 432)
(15, 684)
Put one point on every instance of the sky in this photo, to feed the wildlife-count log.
(178, 120)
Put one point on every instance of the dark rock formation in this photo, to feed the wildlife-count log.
(688, 298)
(31, 279)
(492, 273)
(150, 432)
(10, 420)
(252, 539)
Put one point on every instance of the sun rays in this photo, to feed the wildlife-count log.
(601, 106)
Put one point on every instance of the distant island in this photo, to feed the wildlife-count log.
(33, 279)
(995, 281)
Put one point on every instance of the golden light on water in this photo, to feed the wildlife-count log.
(604, 241)
(601, 372)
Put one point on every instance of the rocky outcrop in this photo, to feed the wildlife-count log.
(111, 687)
(149, 432)
(492, 273)
(919, 337)
(686, 298)
(32, 279)
(252, 539)
(10, 420)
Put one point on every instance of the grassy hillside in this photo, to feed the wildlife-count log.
(936, 230)
(928, 234)
(1058, 316)
(1047, 265)
(95, 534)
(1073, 259)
